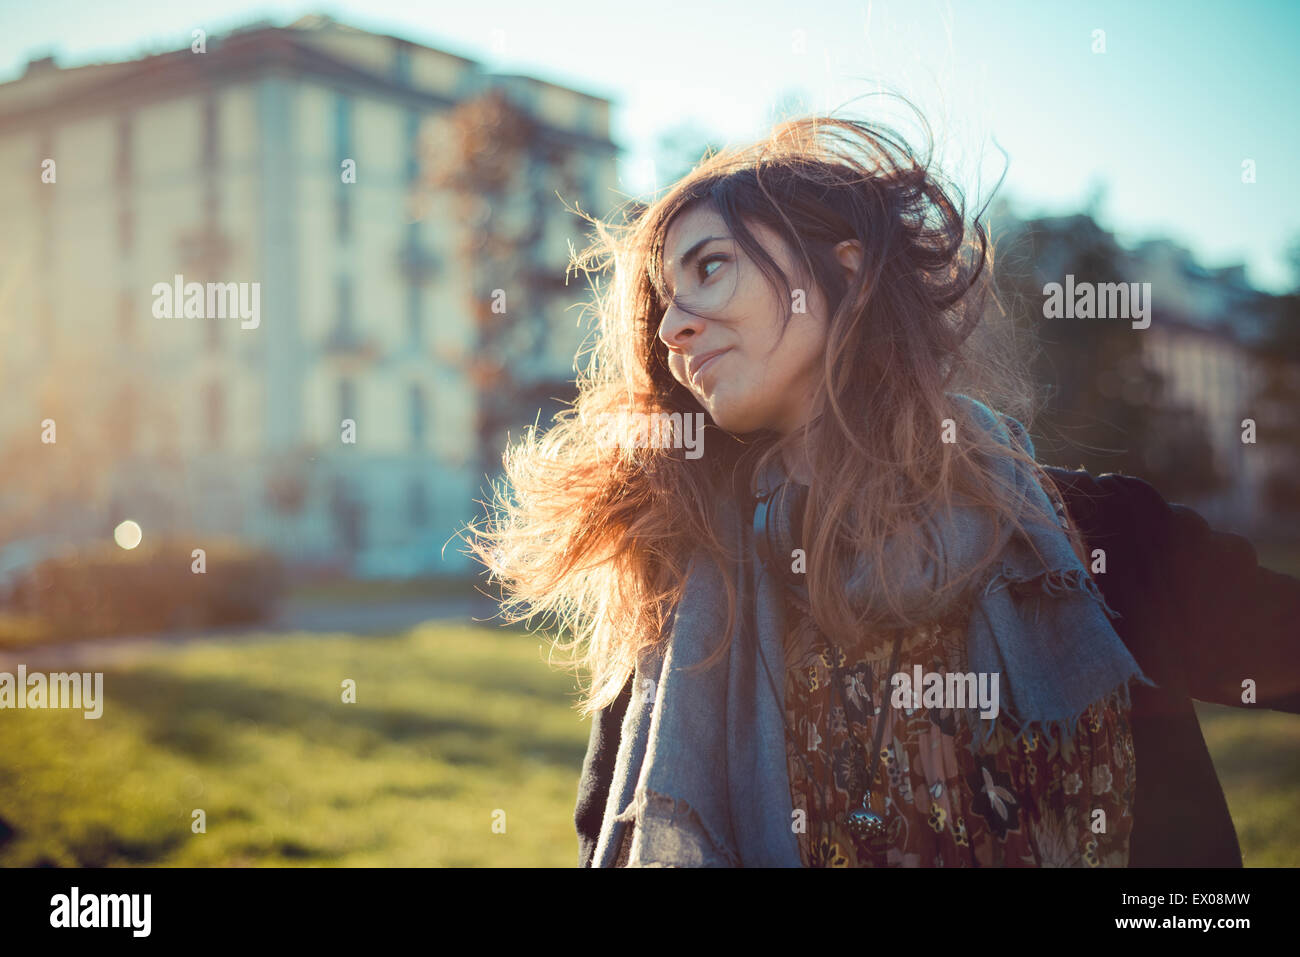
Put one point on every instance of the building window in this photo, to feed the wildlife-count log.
(417, 504)
(412, 146)
(347, 400)
(214, 415)
(211, 157)
(122, 168)
(44, 201)
(125, 227)
(417, 416)
(344, 318)
(123, 174)
(128, 419)
(125, 317)
(414, 308)
(211, 212)
(343, 151)
(343, 212)
(346, 509)
(402, 62)
(342, 128)
(587, 116)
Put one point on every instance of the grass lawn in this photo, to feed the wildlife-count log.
(381, 590)
(1255, 756)
(451, 723)
(1284, 558)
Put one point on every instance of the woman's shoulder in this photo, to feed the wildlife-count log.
(1107, 503)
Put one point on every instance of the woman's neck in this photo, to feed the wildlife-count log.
(795, 462)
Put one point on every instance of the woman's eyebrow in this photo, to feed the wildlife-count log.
(689, 256)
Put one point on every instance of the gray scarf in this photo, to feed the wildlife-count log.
(700, 774)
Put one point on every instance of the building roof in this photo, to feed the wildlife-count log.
(47, 90)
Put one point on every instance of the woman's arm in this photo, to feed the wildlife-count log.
(597, 771)
(1200, 593)
(1241, 621)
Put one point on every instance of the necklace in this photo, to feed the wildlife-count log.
(863, 822)
(867, 827)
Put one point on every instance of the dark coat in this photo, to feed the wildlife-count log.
(1200, 616)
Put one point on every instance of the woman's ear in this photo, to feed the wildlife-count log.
(849, 253)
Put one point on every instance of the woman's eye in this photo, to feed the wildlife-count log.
(715, 258)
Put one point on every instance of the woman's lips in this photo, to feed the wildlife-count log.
(706, 365)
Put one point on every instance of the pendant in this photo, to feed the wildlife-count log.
(864, 823)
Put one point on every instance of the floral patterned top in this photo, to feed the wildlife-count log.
(1028, 804)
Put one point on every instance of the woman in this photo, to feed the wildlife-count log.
(855, 521)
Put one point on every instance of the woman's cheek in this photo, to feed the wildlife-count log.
(678, 371)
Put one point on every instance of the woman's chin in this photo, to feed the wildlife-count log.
(731, 420)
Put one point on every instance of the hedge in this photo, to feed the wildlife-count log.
(106, 590)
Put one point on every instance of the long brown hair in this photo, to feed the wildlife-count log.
(596, 539)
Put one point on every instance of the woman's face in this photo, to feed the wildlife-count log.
(738, 362)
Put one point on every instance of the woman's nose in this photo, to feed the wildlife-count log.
(677, 326)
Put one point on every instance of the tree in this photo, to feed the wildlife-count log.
(502, 172)
(1107, 404)
(1278, 399)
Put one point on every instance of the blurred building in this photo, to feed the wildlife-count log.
(1207, 338)
(1212, 325)
(228, 166)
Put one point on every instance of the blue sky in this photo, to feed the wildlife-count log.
(1184, 92)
